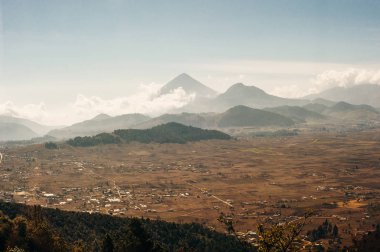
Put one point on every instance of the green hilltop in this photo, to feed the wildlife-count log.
(166, 133)
(242, 116)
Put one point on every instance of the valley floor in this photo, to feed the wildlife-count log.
(261, 179)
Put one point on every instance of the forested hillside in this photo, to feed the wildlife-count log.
(166, 133)
(32, 228)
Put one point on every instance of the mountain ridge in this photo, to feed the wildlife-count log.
(99, 124)
(36, 127)
(15, 132)
(243, 116)
(358, 94)
(252, 96)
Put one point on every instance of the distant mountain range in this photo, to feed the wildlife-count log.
(14, 131)
(99, 124)
(37, 128)
(238, 116)
(344, 111)
(240, 94)
(251, 96)
(235, 117)
(297, 114)
(360, 94)
(350, 112)
(238, 106)
(14, 128)
(282, 116)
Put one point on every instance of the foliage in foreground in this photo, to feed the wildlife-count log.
(27, 228)
(369, 242)
(276, 237)
(32, 228)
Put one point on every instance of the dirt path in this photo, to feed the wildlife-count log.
(117, 188)
(205, 191)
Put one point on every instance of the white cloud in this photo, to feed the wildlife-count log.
(347, 78)
(329, 79)
(35, 112)
(145, 101)
(289, 91)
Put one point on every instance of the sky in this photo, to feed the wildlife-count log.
(66, 61)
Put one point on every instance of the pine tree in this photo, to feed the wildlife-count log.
(335, 231)
(107, 244)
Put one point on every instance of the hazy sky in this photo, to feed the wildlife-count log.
(89, 56)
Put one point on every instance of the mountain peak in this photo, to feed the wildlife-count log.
(184, 75)
(101, 117)
(239, 85)
(189, 84)
(242, 89)
(184, 79)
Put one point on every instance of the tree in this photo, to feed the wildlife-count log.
(280, 237)
(276, 237)
(5, 231)
(335, 231)
(227, 221)
(51, 145)
(137, 238)
(107, 244)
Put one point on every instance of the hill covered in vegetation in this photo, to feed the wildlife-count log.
(32, 228)
(297, 114)
(166, 133)
(242, 116)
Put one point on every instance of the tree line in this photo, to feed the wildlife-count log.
(165, 133)
(32, 228)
